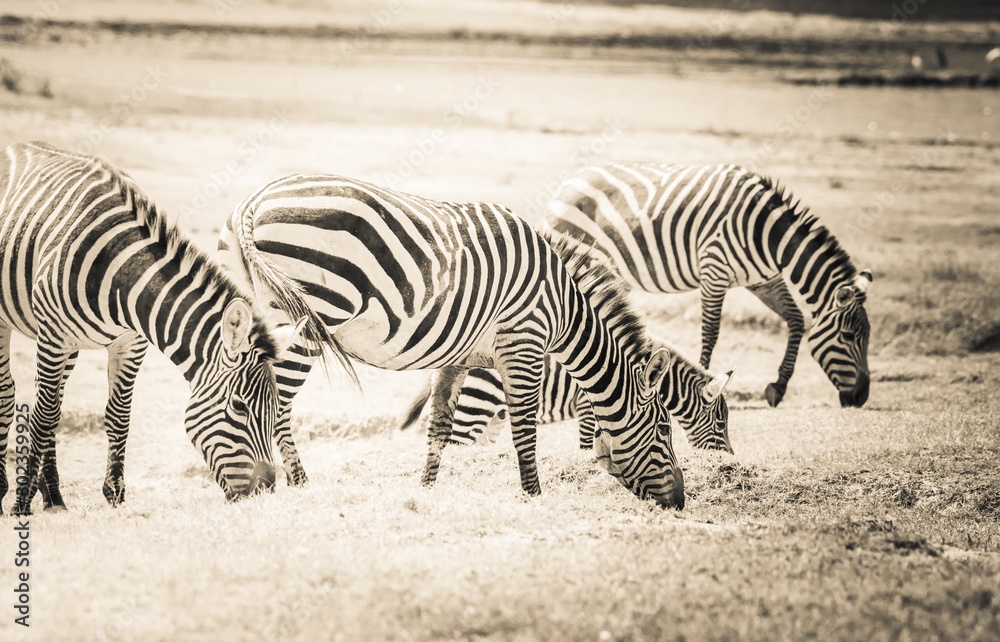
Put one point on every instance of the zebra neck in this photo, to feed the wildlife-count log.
(810, 260)
(176, 306)
(593, 357)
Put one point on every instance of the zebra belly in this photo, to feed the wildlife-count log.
(413, 345)
(28, 325)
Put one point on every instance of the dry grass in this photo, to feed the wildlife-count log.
(842, 524)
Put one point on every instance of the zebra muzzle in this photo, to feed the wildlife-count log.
(856, 397)
(262, 478)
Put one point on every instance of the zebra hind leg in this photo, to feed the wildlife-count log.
(42, 472)
(445, 390)
(125, 357)
(6, 410)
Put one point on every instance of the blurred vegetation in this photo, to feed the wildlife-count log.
(954, 10)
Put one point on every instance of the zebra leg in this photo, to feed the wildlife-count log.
(125, 357)
(42, 473)
(445, 388)
(775, 295)
(713, 293)
(522, 384)
(295, 473)
(291, 373)
(588, 420)
(6, 411)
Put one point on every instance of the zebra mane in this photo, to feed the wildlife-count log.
(607, 293)
(681, 360)
(192, 258)
(809, 224)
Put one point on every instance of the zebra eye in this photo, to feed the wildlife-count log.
(240, 407)
(848, 336)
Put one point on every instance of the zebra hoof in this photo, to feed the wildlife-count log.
(774, 394)
(115, 495)
(21, 510)
(56, 508)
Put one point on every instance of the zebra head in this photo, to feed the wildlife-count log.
(839, 340)
(702, 410)
(640, 455)
(233, 407)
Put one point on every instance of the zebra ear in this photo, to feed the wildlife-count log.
(864, 280)
(656, 368)
(237, 321)
(713, 389)
(285, 335)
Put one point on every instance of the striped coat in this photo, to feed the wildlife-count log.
(402, 282)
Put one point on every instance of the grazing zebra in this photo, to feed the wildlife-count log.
(404, 283)
(673, 228)
(689, 392)
(88, 262)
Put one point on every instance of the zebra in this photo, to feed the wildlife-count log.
(89, 262)
(404, 283)
(691, 395)
(672, 228)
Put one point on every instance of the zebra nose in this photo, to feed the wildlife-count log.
(262, 478)
(858, 395)
(678, 489)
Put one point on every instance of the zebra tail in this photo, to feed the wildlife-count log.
(290, 298)
(417, 407)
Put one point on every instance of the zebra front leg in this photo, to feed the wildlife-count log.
(42, 472)
(295, 473)
(588, 420)
(522, 382)
(775, 295)
(445, 388)
(713, 293)
(291, 372)
(125, 357)
(7, 414)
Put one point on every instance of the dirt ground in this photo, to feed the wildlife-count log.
(906, 178)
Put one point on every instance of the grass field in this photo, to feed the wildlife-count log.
(879, 523)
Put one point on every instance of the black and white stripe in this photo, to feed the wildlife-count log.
(88, 262)
(690, 394)
(672, 228)
(401, 282)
